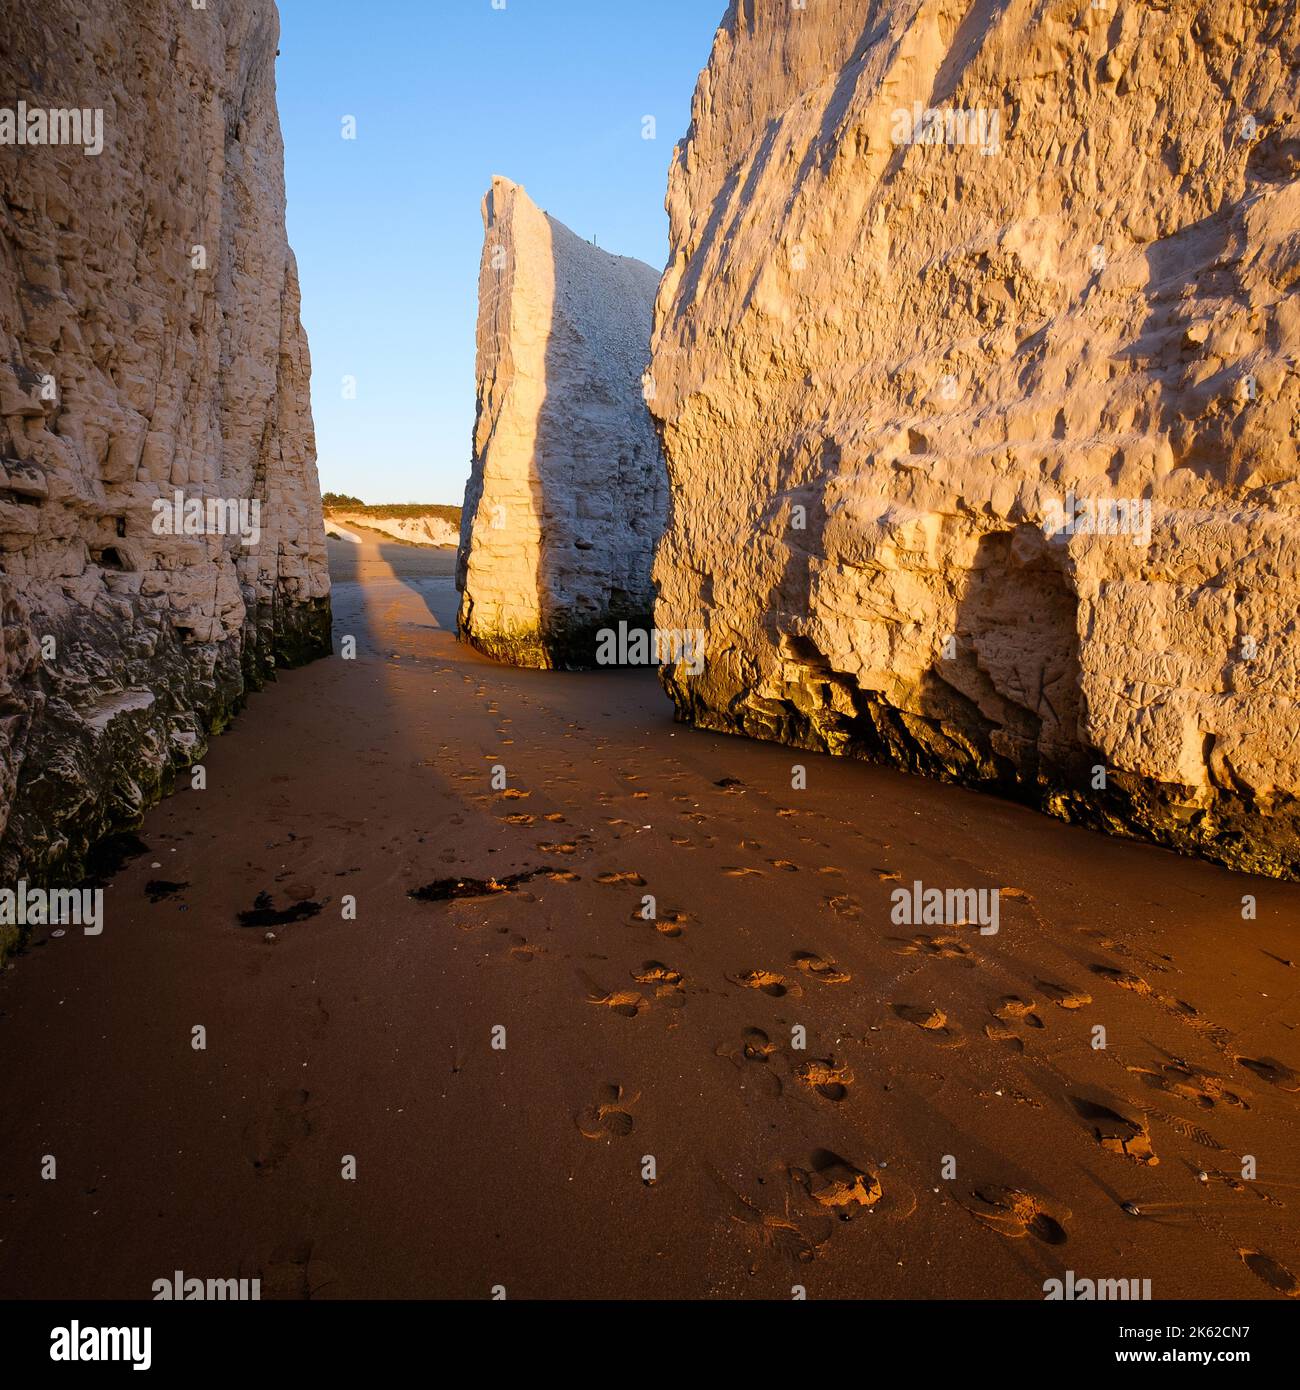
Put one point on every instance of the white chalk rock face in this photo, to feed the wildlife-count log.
(567, 493)
(414, 530)
(975, 362)
(150, 350)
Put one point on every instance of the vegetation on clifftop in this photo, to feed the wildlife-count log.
(341, 502)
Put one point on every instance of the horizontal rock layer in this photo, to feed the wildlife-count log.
(567, 491)
(151, 347)
(941, 279)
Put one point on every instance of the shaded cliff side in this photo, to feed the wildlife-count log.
(975, 369)
(150, 353)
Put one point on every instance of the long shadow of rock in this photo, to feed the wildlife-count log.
(422, 573)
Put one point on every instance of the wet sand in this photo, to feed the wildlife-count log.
(930, 1050)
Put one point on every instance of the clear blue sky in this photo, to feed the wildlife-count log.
(386, 227)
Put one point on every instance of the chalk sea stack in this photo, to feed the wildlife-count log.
(150, 347)
(937, 286)
(567, 494)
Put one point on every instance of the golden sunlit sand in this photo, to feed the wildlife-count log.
(948, 1126)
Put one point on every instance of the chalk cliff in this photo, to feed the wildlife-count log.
(150, 351)
(567, 493)
(414, 530)
(975, 368)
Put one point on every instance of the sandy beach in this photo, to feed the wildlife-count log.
(650, 1127)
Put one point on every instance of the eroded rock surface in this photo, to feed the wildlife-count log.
(130, 374)
(567, 493)
(414, 530)
(888, 350)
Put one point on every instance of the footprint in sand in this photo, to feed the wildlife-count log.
(836, 1183)
(1276, 1276)
(616, 876)
(741, 871)
(669, 922)
(1189, 1083)
(785, 865)
(1014, 1213)
(513, 794)
(608, 1118)
(1183, 1011)
(999, 1032)
(843, 904)
(773, 1232)
(627, 1003)
(823, 1075)
(921, 1016)
(1012, 1007)
(1274, 1072)
(554, 847)
(1125, 979)
(768, 981)
(820, 968)
(519, 818)
(1063, 996)
(753, 1055)
(931, 1020)
(1186, 1128)
(1012, 1013)
(1116, 1133)
(942, 947)
(756, 1045)
(668, 984)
